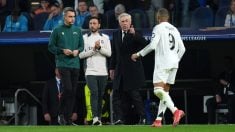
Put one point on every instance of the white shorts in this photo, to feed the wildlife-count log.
(165, 75)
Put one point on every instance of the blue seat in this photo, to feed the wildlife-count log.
(220, 16)
(39, 21)
(224, 3)
(29, 18)
(202, 17)
(139, 18)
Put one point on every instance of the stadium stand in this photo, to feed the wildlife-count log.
(139, 18)
(202, 17)
(220, 16)
(223, 3)
(110, 17)
(39, 21)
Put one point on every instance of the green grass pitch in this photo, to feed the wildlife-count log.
(121, 128)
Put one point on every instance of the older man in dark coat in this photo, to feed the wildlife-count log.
(128, 76)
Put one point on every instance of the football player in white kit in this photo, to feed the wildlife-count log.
(169, 49)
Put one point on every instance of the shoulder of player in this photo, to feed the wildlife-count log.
(104, 35)
(157, 28)
(85, 35)
(101, 34)
(164, 25)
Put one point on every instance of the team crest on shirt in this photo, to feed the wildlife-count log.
(153, 35)
(75, 33)
(102, 41)
(62, 33)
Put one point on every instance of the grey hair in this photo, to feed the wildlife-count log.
(66, 9)
(119, 8)
(124, 15)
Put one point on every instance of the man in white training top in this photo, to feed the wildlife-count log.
(96, 50)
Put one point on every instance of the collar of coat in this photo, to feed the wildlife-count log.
(89, 34)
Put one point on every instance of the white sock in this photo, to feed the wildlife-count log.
(163, 96)
(161, 109)
(95, 119)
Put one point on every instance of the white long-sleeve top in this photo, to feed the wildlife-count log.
(168, 46)
(96, 61)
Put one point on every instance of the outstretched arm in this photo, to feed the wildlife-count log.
(150, 47)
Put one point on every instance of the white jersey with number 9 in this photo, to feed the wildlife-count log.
(168, 46)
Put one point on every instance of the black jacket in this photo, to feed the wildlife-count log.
(131, 73)
(50, 100)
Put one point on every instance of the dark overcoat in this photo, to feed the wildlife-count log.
(131, 73)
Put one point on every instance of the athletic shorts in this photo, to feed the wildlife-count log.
(165, 75)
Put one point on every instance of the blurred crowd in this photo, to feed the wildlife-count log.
(26, 15)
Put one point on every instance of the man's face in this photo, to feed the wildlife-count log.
(93, 11)
(94, 25)
(233, 6)
(125, 23)
(82, 7)
(44, 3)
(69, 18)
(55, 10)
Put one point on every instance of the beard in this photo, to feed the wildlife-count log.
(93, 30)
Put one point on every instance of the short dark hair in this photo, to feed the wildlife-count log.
(56, 4)
(82, 1)
(66, 9)
(94, 17)
(163, 12)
